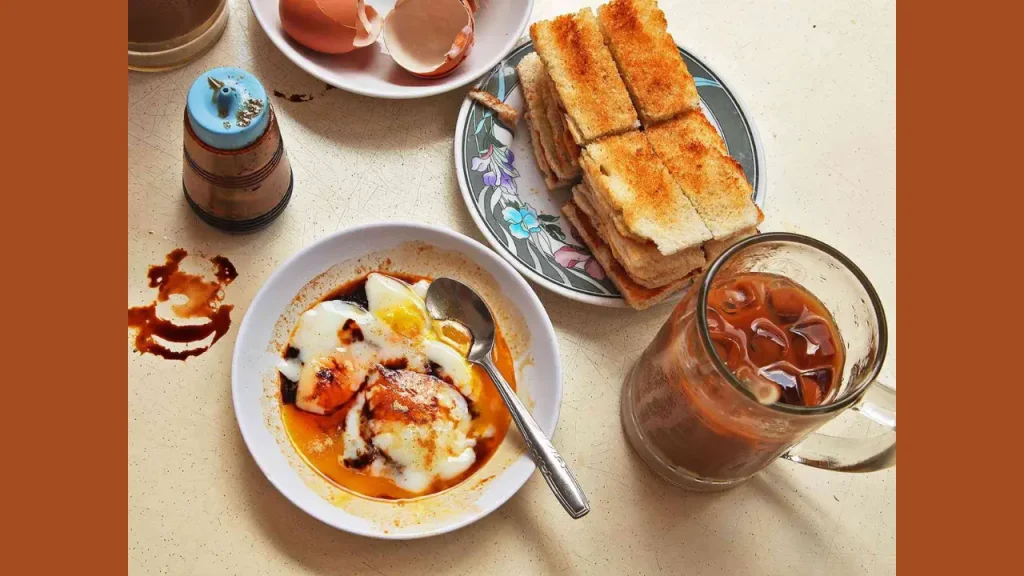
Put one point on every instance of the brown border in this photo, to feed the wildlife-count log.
(62, 117)
(62, 196)
(960, 208)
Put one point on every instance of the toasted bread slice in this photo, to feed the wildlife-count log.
(506, 113)
(595, 99)
(635, 191)
(564, 139)
(635, 295)
(712, 180)
(692, 127)
(648, 60)
(534, 79)
(641, 259)
(550, 179)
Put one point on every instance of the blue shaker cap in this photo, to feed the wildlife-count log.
(228, 108)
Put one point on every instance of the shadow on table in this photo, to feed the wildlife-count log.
(723, 521)
(683, 527)
(325, 550)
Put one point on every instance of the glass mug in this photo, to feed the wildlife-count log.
(694, 423)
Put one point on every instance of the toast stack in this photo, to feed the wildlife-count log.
(614, 113)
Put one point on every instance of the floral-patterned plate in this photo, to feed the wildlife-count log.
(505, 192)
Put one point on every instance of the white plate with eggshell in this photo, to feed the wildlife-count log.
(366, 66)
(309, 277)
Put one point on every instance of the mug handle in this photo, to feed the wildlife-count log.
(855, 454)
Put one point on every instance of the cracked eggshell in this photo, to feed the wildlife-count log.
(330, 26)
(429, 38)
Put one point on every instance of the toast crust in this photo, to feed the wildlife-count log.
(556, 116)
(550, 179)
(655, 75)
(506, 113)
(534, 79)
(637, 296)
(641, 260)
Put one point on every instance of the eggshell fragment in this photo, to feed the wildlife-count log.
(330, 26)
(429, 38)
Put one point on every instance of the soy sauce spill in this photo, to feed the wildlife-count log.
(203, 300)
(769, 327)
(354, 292)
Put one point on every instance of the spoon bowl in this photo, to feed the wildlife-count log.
(449, 299)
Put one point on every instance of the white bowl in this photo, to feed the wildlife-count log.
(371, 72)
(418, 249)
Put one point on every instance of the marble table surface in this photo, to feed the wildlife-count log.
(819, 79)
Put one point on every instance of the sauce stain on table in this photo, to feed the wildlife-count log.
(203, 300)
(293, 97)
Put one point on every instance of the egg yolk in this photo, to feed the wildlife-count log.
(405, 320)
(454, 335)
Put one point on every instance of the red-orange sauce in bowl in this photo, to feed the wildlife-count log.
(318, 437)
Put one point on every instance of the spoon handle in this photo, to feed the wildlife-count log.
(554, 469)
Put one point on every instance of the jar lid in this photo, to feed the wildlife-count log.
(227, 108)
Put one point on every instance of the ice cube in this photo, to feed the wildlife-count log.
(767, 333)
(730, 342)
(762, 388)
(715, 321)
(731, 351)
(817, 383)
(787, 377)
(788, 302)
(737, 295)
(816, 335)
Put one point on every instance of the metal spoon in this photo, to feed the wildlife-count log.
(451, 300)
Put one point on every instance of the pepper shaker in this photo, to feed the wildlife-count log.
(236, 174)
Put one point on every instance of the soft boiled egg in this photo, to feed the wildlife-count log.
(416, 430)
(328, 373)
(396, 327)
(452, 365)
(318, 331)
(328, 383)
(396, 304)
(404, 310)
(422, 425)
